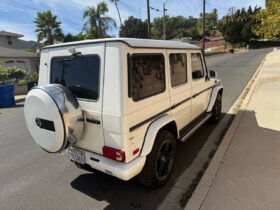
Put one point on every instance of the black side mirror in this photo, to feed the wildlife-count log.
(213, 74)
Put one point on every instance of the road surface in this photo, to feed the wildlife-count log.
(30, 178)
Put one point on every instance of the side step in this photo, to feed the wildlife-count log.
(186, 132)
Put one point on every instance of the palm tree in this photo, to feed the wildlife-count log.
(115, 2)
(97, 23)
(48, 27)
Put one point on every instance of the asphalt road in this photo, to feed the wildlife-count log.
(30, 178)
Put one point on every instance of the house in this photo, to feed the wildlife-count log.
(213, 42)
(12, 54)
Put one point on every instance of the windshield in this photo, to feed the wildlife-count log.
(80, 74)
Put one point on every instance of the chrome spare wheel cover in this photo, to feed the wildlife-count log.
(53, 117)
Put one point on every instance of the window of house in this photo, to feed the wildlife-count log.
(178, 68)
(197, 66)
(9, 40)
(20, 62)
(79, 74)
(9, 62)
(146, 75)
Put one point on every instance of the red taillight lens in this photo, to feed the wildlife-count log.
(114, 154)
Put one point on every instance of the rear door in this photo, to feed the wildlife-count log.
(82, 75)
(180, 90)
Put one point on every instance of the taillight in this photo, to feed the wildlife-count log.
(114, 154)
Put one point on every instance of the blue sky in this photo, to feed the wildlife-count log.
(18, 15)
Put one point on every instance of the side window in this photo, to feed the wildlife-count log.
(146, 75)
(197, 66)
(178, 68)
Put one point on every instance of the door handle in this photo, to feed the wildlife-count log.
(94, 121)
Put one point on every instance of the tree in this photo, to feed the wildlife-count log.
(71, 38)
(48, 27)
(238, 27)
(211, 21)
(134, 28)
(97, 23)
(115, 2)
(176, 27)
(269, 19)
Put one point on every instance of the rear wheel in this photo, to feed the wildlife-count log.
(217, 109)
(159, 163)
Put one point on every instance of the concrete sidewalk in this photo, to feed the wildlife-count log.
(245, 171)
(20, 98)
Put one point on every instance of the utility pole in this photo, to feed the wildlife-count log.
(164, 24)
(149, 21)
(203, 36)
(164, 21)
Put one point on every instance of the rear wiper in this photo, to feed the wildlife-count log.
(72, 57)
(63, 62)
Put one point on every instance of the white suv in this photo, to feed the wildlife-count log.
(119, 105)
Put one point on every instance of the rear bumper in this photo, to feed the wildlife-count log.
(124, 171)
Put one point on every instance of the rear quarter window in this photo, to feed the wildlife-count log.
(79, 74)
(147, 75)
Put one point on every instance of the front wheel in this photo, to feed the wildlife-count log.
(217, 109)
(159, 163)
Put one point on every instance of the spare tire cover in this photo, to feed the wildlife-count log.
(53, 117)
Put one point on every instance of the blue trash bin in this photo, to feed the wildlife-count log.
(7, 98)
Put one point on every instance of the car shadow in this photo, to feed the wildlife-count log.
(131, 194)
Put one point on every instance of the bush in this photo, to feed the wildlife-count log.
(10, 73)
(254, 44)
(23, 82)
(33, 77)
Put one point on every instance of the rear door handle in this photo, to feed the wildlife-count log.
(94, 121)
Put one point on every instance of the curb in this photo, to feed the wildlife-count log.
(206, 181)
(18, 100)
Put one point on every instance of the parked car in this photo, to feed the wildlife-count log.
(119, 105)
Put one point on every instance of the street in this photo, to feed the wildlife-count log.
(33, 179)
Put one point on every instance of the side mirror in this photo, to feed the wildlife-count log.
(213, 74)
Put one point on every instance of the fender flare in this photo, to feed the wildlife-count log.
(152, 133)
(214, 94)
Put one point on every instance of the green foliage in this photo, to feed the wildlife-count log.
(211, 22)
(33, 77)
(269, 19)
(4, 77)
(254, 44)
(134, 28)
(71, 38)
(176, 27)
(48, 27)
(238, 27)
(30, 50)
(23, 82)
(97, 22)
(9, 73)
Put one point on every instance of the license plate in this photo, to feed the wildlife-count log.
(76, 155)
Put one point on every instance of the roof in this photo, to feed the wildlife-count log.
(213, 39)
(15, 53)
(6, 33)
(217, 38)
(22, 44)
(135, 43)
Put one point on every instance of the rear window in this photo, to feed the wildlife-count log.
(79, 74)
(147, 75)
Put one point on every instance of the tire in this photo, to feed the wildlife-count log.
(159, 163)
(217, 109)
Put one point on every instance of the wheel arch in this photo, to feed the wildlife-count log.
(165, 122)
(216, 90)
